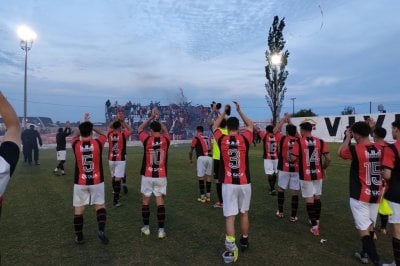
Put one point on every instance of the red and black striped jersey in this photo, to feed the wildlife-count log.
(202, 145)
(88, 160)
(270, 147)
(284, 151)
(234, 165)
(365, 171)
(309, 151)
(155, 155)
(391, 160)
(117, 144)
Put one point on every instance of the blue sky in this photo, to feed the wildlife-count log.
(341, 53)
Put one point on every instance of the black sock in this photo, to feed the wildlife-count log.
(124, 179)
(317, 207)
(161, 216)
(271, 181)
(369, 247)
(146, 214)
(201, 187)
(281, 200)
(113, 183)
(396, 250)
(117, 190)
(295, 205)
(78, 226)
(384, 220)
(219, 192)
(101, 219)
(311, 213)
(208, 187)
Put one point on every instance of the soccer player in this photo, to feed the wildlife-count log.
(313, 158)
(288, 172)
(121, 118)
(117, 135)
(89, 178)
(365, 185)
(154, 170)
(202, 145)
(216, 154)
(9, 149)
(235, 178)
(61, 147)
(391, 172)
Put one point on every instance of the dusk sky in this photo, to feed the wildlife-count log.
(343, 52)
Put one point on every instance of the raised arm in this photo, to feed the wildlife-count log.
(147, 122)
(285, 119)
(246, 120)
(11, 121)
(218, 121)
(346, 142)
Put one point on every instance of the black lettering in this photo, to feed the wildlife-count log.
(332, 129)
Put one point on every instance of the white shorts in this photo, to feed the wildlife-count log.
(156, 186)
(117, 168)
(61, 155)
(289, 180)
(88, 195)
(270, 166)
(204, 166)
(395, 217)
(364, 214)
(236, 198)
(311, 188)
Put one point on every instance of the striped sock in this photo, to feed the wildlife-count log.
(78, 226)
(101, 219)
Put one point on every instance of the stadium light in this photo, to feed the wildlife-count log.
(27, 36)
(276, 59)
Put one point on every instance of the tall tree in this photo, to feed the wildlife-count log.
(275, 72)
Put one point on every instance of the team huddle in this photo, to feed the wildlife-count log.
(294, 159)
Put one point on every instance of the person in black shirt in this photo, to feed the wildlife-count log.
(61, 147)
(31, 138)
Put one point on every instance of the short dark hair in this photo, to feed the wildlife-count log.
(396, 123)
(269, 128)
(291, 130)
(223, 123)
(60, 130)
(380, 132)
(85, 128)
(116, 125)
(200, 128)
(306, 126)
(155, 126)
(232, 123)
(32, 127)
(361, 128)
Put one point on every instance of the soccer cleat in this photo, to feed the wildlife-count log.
(37, 163)
(314, 231)
(362, 257)
(279, 214)
(117, 204)
(103, 238)
(218, 204)
(272, 192)
(161, 233)
(55, 171)
(145, 230)
(208, 199)
(293, 219)
(244, 243)
(79, 241)
(62, 172)
(202, 200)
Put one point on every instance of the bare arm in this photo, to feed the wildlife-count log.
(346, 142)
(246, 120)
(285, 119)
(147, 122)
(217, 122)
(11, 121)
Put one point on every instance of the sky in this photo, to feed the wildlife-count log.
(342, 53)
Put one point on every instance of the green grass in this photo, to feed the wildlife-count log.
(37, 221)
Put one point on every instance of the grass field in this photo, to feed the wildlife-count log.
(36, 226)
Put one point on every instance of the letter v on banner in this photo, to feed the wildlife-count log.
(332, 129)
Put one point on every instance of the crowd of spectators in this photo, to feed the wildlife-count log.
(180, 119)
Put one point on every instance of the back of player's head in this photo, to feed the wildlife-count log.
(200, 129)
(361, 128)
(380, 132)
(85, 128)
(32, 127)
(306, 126)
(116, 125)
(223, 123)
(232, 123)
(396, 124)
(291, 130)
(155, 126)
(269, 129)
(60, 130)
